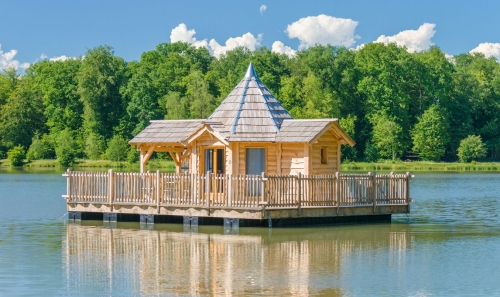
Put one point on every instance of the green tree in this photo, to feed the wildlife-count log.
(133, 155)
(348, 124)
(430, 135)
(201, 101)
(66, 147)
(117, 149)
(371, 153)
(227, 71)
(471, 148)
(143, 104)
(95, 146)
(40, 148)
(387, 135)
(22, 115)
(177, 106)
(100, 78)
(8, 82)
(57, 81)
(16, 155)
(270, 67)
(388, 74)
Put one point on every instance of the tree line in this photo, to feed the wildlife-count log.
(394, 104)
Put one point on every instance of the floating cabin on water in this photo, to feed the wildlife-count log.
(251, 161)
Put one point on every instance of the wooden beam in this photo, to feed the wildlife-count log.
(338, 130)
(211, 133)
(145, 155)
(169, 149)
(185, 154)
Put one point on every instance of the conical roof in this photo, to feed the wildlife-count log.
(250, 112)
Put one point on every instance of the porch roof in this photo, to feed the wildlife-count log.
(309, 130)
(167, 132)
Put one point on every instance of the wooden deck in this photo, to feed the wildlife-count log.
(238, 196)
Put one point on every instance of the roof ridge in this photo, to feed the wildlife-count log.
(313, 120)
(266, 103)
(240, 105)
(178, 120)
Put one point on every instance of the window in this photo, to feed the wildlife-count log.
(255, 161)
(324, 155)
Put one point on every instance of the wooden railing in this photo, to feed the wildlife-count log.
(238, 191)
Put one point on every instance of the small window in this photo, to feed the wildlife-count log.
(324, 155)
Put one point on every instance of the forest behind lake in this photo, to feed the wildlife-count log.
(395, 104)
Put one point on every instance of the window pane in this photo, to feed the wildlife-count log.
(255, 161)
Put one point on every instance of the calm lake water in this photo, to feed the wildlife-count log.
(449, 246)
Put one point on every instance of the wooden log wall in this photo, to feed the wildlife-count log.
(331, 143)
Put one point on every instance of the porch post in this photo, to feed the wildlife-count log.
(143, 162)
(374, 190)
(408, 176)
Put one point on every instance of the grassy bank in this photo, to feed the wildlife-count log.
(100, 165)
(420, 166)
(169, 166)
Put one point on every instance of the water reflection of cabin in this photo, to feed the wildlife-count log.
(249, 133)
(249, 160)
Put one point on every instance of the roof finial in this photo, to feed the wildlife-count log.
(251, 72)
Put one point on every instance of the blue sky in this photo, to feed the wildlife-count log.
(34, 30)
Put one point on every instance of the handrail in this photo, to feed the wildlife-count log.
(238, 191)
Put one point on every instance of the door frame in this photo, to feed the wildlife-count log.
(202, 158)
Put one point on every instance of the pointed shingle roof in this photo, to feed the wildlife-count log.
(250, 112)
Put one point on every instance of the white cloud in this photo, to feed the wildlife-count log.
(414, 40)
(43, 56)
(181, 33)
(60, 58)
(450, 58)
(280, 48)
(247, 40)
(7, 60)
(262, 9)
(323, 29)
(488, 49)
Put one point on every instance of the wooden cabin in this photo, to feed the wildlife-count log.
(249, 133)
(249, 160)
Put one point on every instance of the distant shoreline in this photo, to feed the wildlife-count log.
(103, 165)
(169, 166)
(420, 166)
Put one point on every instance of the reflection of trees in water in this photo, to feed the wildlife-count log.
(151, 262)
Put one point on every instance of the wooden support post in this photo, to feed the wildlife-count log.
(337, 176)
(229, 190)
(391, 187)
(110, 189)
(207, 189)
(374, 190)
(143, 163)
(263, 187)
(158, 191)
(408, 176)
(68, 185)
(299, 187)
